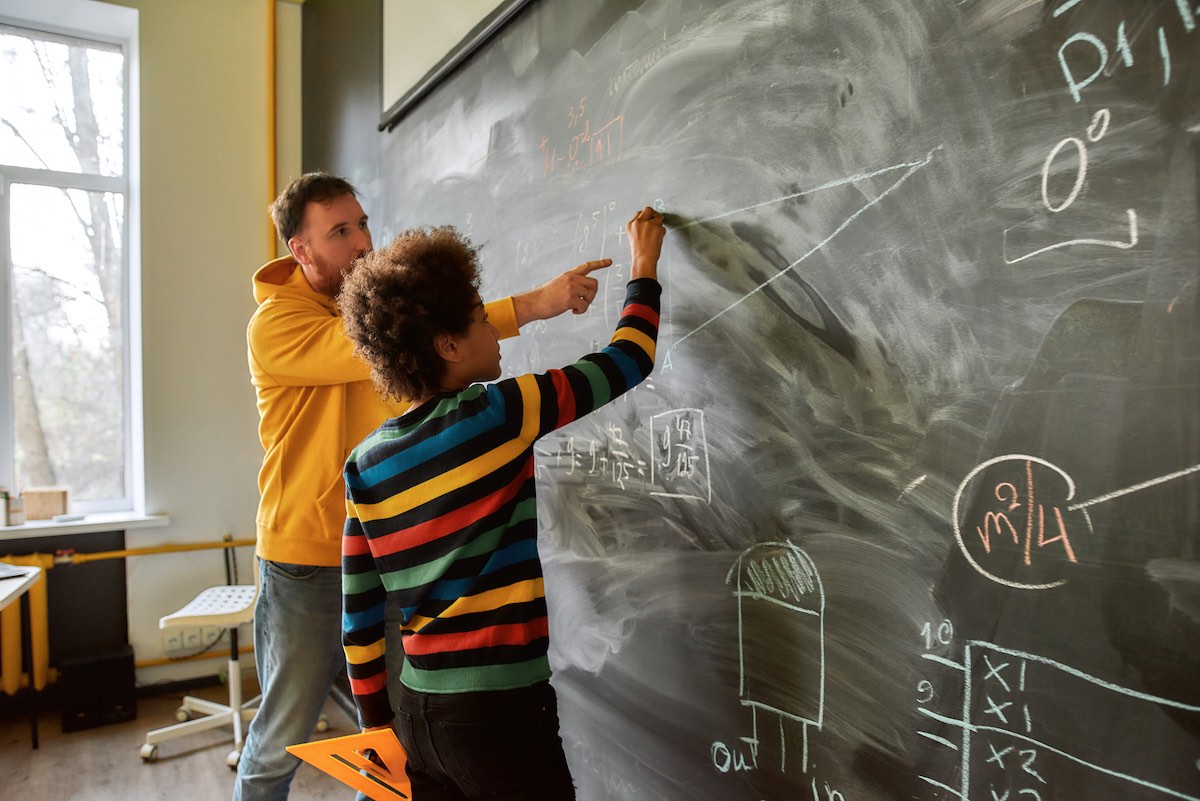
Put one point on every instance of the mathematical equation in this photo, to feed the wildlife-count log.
(1017, 528)
(676, 465)
(1014, 521)
(584, 144)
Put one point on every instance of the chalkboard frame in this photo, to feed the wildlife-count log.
(480, 34)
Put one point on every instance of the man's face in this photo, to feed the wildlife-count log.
(334, 234)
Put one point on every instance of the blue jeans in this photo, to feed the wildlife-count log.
(500, 745)
(298, 652)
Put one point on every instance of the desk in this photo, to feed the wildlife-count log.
(12, 589)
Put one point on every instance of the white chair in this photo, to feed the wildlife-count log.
(227, 606)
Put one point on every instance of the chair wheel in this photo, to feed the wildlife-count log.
(322, 724)
(182, 714)
(149, 752)
(232, 759)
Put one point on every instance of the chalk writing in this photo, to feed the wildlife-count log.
(941, 636)
(679, 455)
(725, 760)
(641, 66)
(934, 636)
(830, 793)
(1002, 745)
(1088, 48)
(611, 458)
(548, 248)
(590, 231)
(1095, 132)
(1018, 515)
(589, 235)
(588, 146)
(598, 234)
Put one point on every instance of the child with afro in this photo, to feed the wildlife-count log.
(442, 514)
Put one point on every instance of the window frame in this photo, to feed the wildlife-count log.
(116, 26)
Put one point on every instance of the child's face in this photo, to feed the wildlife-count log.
(481, 347)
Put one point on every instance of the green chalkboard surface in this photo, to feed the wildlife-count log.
(910, 508)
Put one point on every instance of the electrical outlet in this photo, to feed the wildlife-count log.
(172, 640)
(212, 634)
(193, 638)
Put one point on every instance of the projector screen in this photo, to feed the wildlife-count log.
(423, 42)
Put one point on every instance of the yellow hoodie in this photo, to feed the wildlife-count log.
(315, 403)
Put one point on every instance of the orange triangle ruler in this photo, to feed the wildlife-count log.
(347, 759)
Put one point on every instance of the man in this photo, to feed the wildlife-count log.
(315, 402)
(442, 516)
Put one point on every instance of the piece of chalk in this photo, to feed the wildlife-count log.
(66, 518)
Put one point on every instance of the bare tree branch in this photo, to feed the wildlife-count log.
(25, 142)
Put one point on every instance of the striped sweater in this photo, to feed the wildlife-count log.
(442, 515)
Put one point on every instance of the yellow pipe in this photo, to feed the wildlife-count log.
(12, 677)
(11, 674)
(272, 156)
(81, 558)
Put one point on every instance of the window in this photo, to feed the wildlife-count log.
(69, 383)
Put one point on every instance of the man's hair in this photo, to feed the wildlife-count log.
(400, 297)
(287, 212)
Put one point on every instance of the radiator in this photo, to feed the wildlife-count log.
(12, 677)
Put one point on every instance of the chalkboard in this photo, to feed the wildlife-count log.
(910, 508)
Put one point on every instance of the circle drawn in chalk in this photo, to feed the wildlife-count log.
(1014, 500)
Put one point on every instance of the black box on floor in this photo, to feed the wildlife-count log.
(97, 690)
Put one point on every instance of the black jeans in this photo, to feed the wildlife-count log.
(500, 746)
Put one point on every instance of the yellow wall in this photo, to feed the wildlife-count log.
(207, 179)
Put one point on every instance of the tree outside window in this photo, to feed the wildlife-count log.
(63, 167)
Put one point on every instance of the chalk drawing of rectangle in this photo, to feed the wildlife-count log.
(679, 455)
(781, 660)
(781, 631)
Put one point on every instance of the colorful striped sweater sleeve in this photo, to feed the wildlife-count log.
(442, 517)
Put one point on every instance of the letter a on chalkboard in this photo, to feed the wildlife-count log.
(347, 760)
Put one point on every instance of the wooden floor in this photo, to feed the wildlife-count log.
(103, 764)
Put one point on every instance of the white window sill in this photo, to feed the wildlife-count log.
(97, 521)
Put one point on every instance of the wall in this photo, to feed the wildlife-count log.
(342, 95)
(206, 183)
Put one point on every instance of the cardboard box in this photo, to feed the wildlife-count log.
(43, 503)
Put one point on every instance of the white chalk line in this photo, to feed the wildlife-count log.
(912, 486)
(1067, 6)
(941, 660)
(912, 168)
(945, 787)
(937, 739)
(831, 185)
(1131, 214)
(758, 596)
(943, 719)
(1135, 488)
(681, 495)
